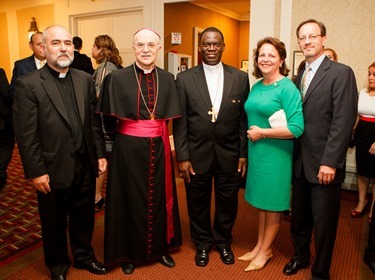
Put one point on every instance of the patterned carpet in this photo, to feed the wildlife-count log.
(19, 218)
(22, 257)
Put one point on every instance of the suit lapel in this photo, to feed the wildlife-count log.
(78, 90)
(228, 83)
(30, 64)
(318, 77)
(52, 90)
(201, 84)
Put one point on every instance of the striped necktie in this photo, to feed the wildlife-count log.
(304, 82)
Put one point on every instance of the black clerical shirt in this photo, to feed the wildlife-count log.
(65, 85)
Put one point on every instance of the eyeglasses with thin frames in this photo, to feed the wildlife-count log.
(309, 37)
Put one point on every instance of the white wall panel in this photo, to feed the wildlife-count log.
(119, 25)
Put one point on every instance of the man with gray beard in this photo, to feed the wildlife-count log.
(62, 149)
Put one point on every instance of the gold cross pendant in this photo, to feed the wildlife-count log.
(212, 113)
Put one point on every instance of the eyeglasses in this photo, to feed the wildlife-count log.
(310, 37)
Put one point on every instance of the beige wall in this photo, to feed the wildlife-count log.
(350, 30)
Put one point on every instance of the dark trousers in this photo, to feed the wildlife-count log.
(315, 207)
(198, 195)
(73, 209)
(7, 142)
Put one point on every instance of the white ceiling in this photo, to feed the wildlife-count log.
(237, 9)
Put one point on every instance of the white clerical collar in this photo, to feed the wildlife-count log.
(212, 67)
(146, 71)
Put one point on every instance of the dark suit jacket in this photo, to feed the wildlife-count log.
(22, 67)
(196, 138)
(330, 111)
(43, 130)
(82, 62)
(5, 100)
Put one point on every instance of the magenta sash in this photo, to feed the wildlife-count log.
(155, 128)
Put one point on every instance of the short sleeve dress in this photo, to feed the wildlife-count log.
(270, 160)
(365, 135)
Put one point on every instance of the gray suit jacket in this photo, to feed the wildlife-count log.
(330, 111)
(43, 130)
(196, 138)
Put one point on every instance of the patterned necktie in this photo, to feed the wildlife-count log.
(41, 64)
(304, 82)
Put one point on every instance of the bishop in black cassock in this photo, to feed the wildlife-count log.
(141, 217)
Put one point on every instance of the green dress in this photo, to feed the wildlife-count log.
(270, 160)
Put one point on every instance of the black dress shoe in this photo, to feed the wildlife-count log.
(201, 258)
(293, 266)
(94, 267)
(58, 277)
(167, 261)
(226, 256)
(127, 268)
(371, 264)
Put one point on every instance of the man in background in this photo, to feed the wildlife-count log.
(81, 61)
(21, 67)
(31, 63)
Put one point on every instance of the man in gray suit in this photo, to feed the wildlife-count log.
(210, 141)
(330, 98)
(61, 144)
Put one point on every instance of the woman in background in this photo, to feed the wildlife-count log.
(331, 54)
(108, 58)
(365, 144)
(274, 114)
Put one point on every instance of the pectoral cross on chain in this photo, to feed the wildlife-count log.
(212, 113)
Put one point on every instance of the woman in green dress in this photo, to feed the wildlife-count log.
(274, 113)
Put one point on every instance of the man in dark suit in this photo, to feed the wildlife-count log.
(81, 61)
(330, 98)
(62, 149)
(21, 67)
(210, 141)
(6, 130)
(31, 63)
